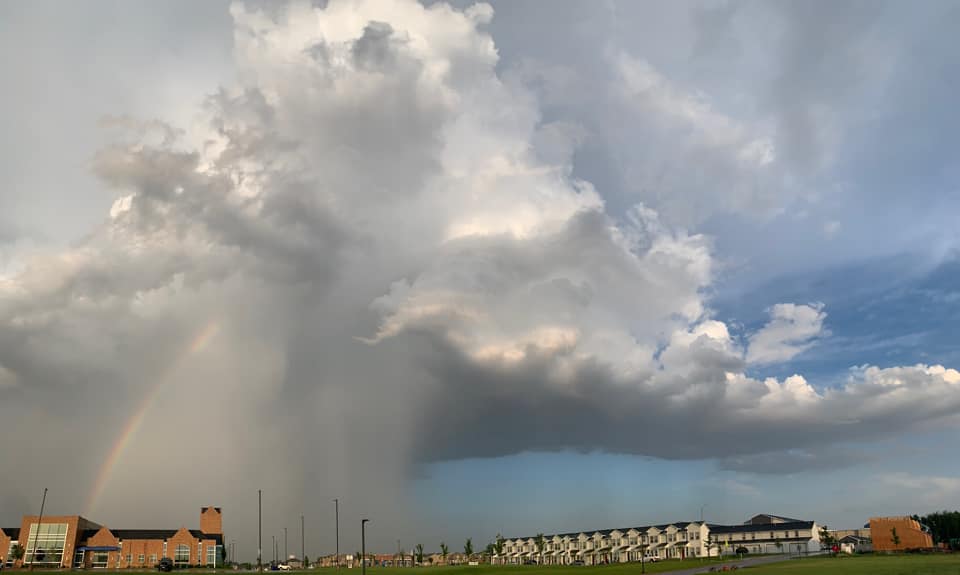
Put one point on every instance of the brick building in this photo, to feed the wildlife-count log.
(73, 541)
(909, 533)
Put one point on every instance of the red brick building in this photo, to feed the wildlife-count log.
(909, 534)
(73, 541)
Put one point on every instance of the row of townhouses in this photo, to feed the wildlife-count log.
(685, 539)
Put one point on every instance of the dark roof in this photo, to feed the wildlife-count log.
(855, 539)
(204, 509)
(88, 533)
(127, 534)
(590, 532)
(792, 525)
(767, 519)
(11, 532)
(143, 533)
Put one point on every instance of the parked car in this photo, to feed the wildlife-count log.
(651, 558)
(578, 562)
(165, 565)
(285, 567)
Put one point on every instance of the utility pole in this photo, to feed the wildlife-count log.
(303, 547)
(37, 536)
(259, 530)
(286, 552)
(363, 546)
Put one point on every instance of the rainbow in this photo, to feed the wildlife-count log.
(133, 424)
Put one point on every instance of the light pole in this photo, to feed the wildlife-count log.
(303, 547)
(336, 515)
(39, 523)
(701, 527)
(363, 546)
(286, 552)
(274, 549)
(259, 530)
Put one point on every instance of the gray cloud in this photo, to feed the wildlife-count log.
(816, 459)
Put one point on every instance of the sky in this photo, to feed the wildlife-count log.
(477, 268)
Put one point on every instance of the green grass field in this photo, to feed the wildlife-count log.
(864, 565)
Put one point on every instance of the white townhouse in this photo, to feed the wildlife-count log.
(682, 540)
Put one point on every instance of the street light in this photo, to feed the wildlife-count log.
(336, 511)
(37, 536)
(259, 530)
(363, 546)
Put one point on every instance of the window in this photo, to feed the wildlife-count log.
(100, 559)
(153, 556)
(49, 541)
(140, 558)
(211, 554)
(796, 534)
(129, 559)
(182, 555)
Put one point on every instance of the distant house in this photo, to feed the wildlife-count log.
(851, 544)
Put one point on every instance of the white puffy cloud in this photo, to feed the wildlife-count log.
(792, 329)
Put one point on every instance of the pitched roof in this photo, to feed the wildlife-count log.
(155, 534)
(766, 518)
(790, 526)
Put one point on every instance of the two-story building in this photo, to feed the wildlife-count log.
(680, 540)
(73, 541)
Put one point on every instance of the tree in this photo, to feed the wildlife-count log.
(943, 526)
(18, 552)
(894, 537)
(540, 542)
(826, 538)
(468, 548)
(306, 562)
(443, 551)
(419, 553)
(359, 557)
(498, 544)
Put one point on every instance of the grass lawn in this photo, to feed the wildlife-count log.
(864, 565)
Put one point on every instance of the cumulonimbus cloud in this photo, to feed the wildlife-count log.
(367, 219)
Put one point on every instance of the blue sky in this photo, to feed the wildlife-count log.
(476, 269)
